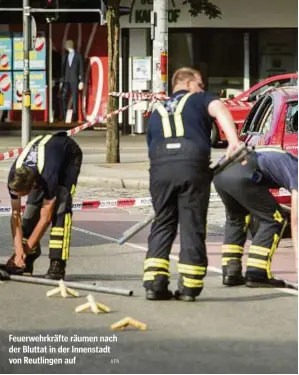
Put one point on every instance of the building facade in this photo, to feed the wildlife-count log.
(253, 39)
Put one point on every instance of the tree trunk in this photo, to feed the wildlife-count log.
(112, 135)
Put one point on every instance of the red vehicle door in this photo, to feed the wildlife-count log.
(290, 139)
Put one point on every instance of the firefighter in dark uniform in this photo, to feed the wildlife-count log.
(179, 151)
(244, 190)
(47, 171)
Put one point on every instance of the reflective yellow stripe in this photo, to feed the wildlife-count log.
(165, 121)
(64, 251)
(41, 153)
(247, 222)
(260, 248)
(276, 239)
(277, 216)
(178, 121)
(192, 283)
(191, 270)
(26, 150)
(57, 229)
(68, 236)
(55, 247)
(73, 190)
(56, 242)
(257, 261)
(189, 266)
(150, 275)
(156, 262)
(228, 246)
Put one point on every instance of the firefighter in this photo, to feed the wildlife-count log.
(244, 190)
(178, 135)
(47, 171)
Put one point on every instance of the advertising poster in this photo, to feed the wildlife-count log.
(37, 56)
(6, 90)
(5, 51)
(37, 87)
(142, 68)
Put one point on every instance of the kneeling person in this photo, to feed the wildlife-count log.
(244, 190)
(47, 171)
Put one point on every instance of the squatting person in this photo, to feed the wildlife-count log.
(179, 134)
(244, 190)
(47, 171)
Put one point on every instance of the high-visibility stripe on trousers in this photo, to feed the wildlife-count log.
(191, 278)
(156, 274)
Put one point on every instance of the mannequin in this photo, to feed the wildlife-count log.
(72, 75)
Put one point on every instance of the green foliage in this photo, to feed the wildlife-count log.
(204, 7)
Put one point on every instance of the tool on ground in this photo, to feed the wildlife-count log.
(289, 284)
(123, 323)
(237, 156)
(63, 290)
(4, 275)
(92, 305)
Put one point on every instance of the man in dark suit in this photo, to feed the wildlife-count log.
(72, 76)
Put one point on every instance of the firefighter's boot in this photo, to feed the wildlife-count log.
(56, 270)
(233, 273)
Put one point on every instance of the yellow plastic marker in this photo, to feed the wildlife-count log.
(92, 305)
(125, 322)
(63, 290)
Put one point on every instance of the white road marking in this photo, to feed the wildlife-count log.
(174, 257)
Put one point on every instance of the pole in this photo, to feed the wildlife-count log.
(26, 105)
(246, 83)
(96, 287)
(159, 31)
(50, 82)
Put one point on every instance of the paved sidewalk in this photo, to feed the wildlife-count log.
(131, 173)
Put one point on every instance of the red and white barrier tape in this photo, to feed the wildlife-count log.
(128, 202)
(139, 95)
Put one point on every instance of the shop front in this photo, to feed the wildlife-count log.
(253, 40)
(90, 41)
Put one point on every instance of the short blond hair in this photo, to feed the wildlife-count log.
(183, 74)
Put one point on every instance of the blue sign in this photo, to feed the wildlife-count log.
(5, 51)
(6, 91)
(37, 84)
(37, 56)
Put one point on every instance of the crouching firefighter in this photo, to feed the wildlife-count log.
(244, 190)
(179, 151)
(47, 171)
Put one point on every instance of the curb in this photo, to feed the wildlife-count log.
(126, 183)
